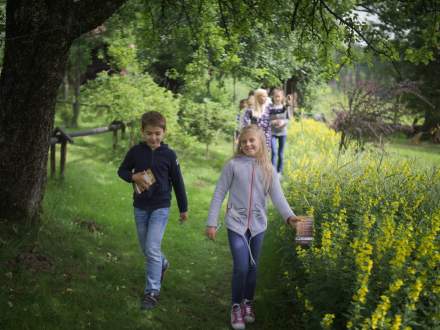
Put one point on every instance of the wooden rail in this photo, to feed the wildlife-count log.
(59, 136)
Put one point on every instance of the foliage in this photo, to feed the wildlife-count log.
(126, 98)
(412, 28)
(374, 260)
(412, 32)
(263, 41)
(206, 121)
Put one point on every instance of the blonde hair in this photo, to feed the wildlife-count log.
(258, 109)
(262, 155)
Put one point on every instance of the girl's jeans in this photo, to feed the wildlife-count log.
(244, 276)
(278, 143)
(150, 227)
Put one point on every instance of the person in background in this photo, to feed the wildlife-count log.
(279, 118)
(259, 114)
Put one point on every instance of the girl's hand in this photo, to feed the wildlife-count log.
(293, 220)
(276, 123)
(211, 232)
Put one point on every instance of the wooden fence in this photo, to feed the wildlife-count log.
(59, 136)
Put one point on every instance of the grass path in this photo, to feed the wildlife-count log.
(85, 269)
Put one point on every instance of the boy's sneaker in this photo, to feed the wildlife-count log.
(149, 300)
(248, 311)
(237, 321)
(165, 266)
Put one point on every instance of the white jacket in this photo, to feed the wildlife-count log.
(243, 179)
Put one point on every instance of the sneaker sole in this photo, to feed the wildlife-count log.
(248, 319)
(238, 327)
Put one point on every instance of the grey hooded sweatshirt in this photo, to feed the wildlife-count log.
(243, 179)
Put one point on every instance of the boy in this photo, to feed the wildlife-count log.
(152, 167)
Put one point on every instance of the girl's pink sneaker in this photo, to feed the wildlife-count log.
(237, 321)
(247, 311)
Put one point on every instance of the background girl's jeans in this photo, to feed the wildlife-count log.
(278, 143)
(244, 276)
(150, 227)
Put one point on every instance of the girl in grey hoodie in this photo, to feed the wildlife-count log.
(249, 177)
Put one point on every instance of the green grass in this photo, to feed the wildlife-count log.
(325, 99)
(94, 279)
(424, 154)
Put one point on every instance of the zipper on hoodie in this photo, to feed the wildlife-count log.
(250, 197)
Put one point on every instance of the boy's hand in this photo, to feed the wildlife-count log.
(183, 216)
(211, 232)
(139, 179)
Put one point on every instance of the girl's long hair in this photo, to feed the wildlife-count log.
(258, 109)
(262, 155)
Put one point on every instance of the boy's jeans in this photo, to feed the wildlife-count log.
(150, 227)
(244, 276)
(278, 151)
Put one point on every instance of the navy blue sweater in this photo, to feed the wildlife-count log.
(163, 163)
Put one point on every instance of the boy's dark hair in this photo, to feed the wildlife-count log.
(153, 118)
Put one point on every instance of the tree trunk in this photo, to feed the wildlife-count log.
(75, 105)
(432, 119)
(38, 36)
(291, 85)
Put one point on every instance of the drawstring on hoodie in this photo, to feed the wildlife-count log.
(248, 244)
(250, 216)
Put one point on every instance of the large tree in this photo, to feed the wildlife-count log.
(38, 37)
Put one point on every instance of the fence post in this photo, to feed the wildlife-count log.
(53, 150)
(63, 157)
(123, 131)
(115, 139)
(63, 138)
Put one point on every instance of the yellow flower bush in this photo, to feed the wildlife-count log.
(375, 256)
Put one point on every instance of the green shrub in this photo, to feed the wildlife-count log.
(374, 261)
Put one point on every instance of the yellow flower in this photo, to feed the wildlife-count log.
(327, 321)
(397, 322)
(379, 315)
(307, 305)
(395, 286)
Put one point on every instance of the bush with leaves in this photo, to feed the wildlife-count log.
(126, 98)
(206, 121)
(371, 113)
(374, 260)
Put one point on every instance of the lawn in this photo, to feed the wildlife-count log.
(84, 269)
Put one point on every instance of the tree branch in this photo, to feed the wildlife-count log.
(295, 11)
(223, 18)
(91, 13)
(354, 28)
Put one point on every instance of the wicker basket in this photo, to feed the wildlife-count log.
(304, 230)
